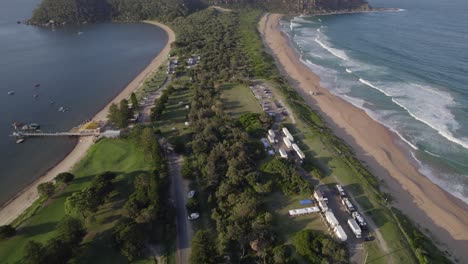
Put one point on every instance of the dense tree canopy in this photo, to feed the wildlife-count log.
(319, 248)
(80, 11)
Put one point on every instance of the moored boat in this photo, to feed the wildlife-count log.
(20, 140)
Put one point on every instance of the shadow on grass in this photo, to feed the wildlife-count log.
(322, 164)
(30, 231)
(83, 179)
(378, 216)
(364, 202)
(354, 189)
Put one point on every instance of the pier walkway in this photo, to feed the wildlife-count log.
(55, 134)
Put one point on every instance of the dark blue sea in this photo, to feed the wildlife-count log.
(408, 69)
(78, 67)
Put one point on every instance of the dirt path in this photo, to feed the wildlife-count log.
(179, 190)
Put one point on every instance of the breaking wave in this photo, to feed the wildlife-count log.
(431, 110)
(338, 53)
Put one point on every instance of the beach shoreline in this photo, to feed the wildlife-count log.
(428, 205)
(15, 206)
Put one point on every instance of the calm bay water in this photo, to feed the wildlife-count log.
(79, 67)
(407, 69)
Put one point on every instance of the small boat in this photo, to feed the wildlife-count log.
(19, 140)
(18, 22)
(35, 96)
(17, 125)
(79, 33)
(63, 109)
(34, 126)
(37, 85)
(11, 92)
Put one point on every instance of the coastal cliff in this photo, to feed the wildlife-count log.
(59, 12)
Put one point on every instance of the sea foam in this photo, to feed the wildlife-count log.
(426, 105)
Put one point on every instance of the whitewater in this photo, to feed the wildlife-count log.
(400, 78)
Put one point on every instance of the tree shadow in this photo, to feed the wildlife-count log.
(378, 217)
(354, 189)
(83, 179)
(34, 230)
(364, 203)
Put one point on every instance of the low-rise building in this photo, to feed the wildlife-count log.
(288, 134)
(287, 142)
(283, 153)
(340, 233)
(304, 211)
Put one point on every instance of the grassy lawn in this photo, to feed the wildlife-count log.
(238, 99)
(118, 155)
(174, 116)
(287, 226)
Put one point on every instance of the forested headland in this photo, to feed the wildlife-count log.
(58, 12)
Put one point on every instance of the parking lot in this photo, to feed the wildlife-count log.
(276, 109)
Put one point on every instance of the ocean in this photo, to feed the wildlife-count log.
(78, 67)
(408, 69)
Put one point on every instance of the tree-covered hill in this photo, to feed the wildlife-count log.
(83, 11)
(299, 6)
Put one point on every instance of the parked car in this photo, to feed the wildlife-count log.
(191, 194)
(193, 216)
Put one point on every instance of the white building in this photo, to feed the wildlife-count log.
(331, 219)
(271, 132)
(300, 154)
(340, 233)
(323, 205)
(287, 134)
(287, 142)
(318, 195)
(271, 139)
(283, 153)
(304, 211)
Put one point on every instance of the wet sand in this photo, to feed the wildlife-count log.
(15, 206)
(424, 202)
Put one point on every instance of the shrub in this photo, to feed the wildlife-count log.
(7, 231)
(46, 189)
(65, 177)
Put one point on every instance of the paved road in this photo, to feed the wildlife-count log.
(179, 189)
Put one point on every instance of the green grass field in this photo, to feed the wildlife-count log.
(238, 99)
(116, 155)
(285, 225)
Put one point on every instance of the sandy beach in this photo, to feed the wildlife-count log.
(427, 204)
(15, 206)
